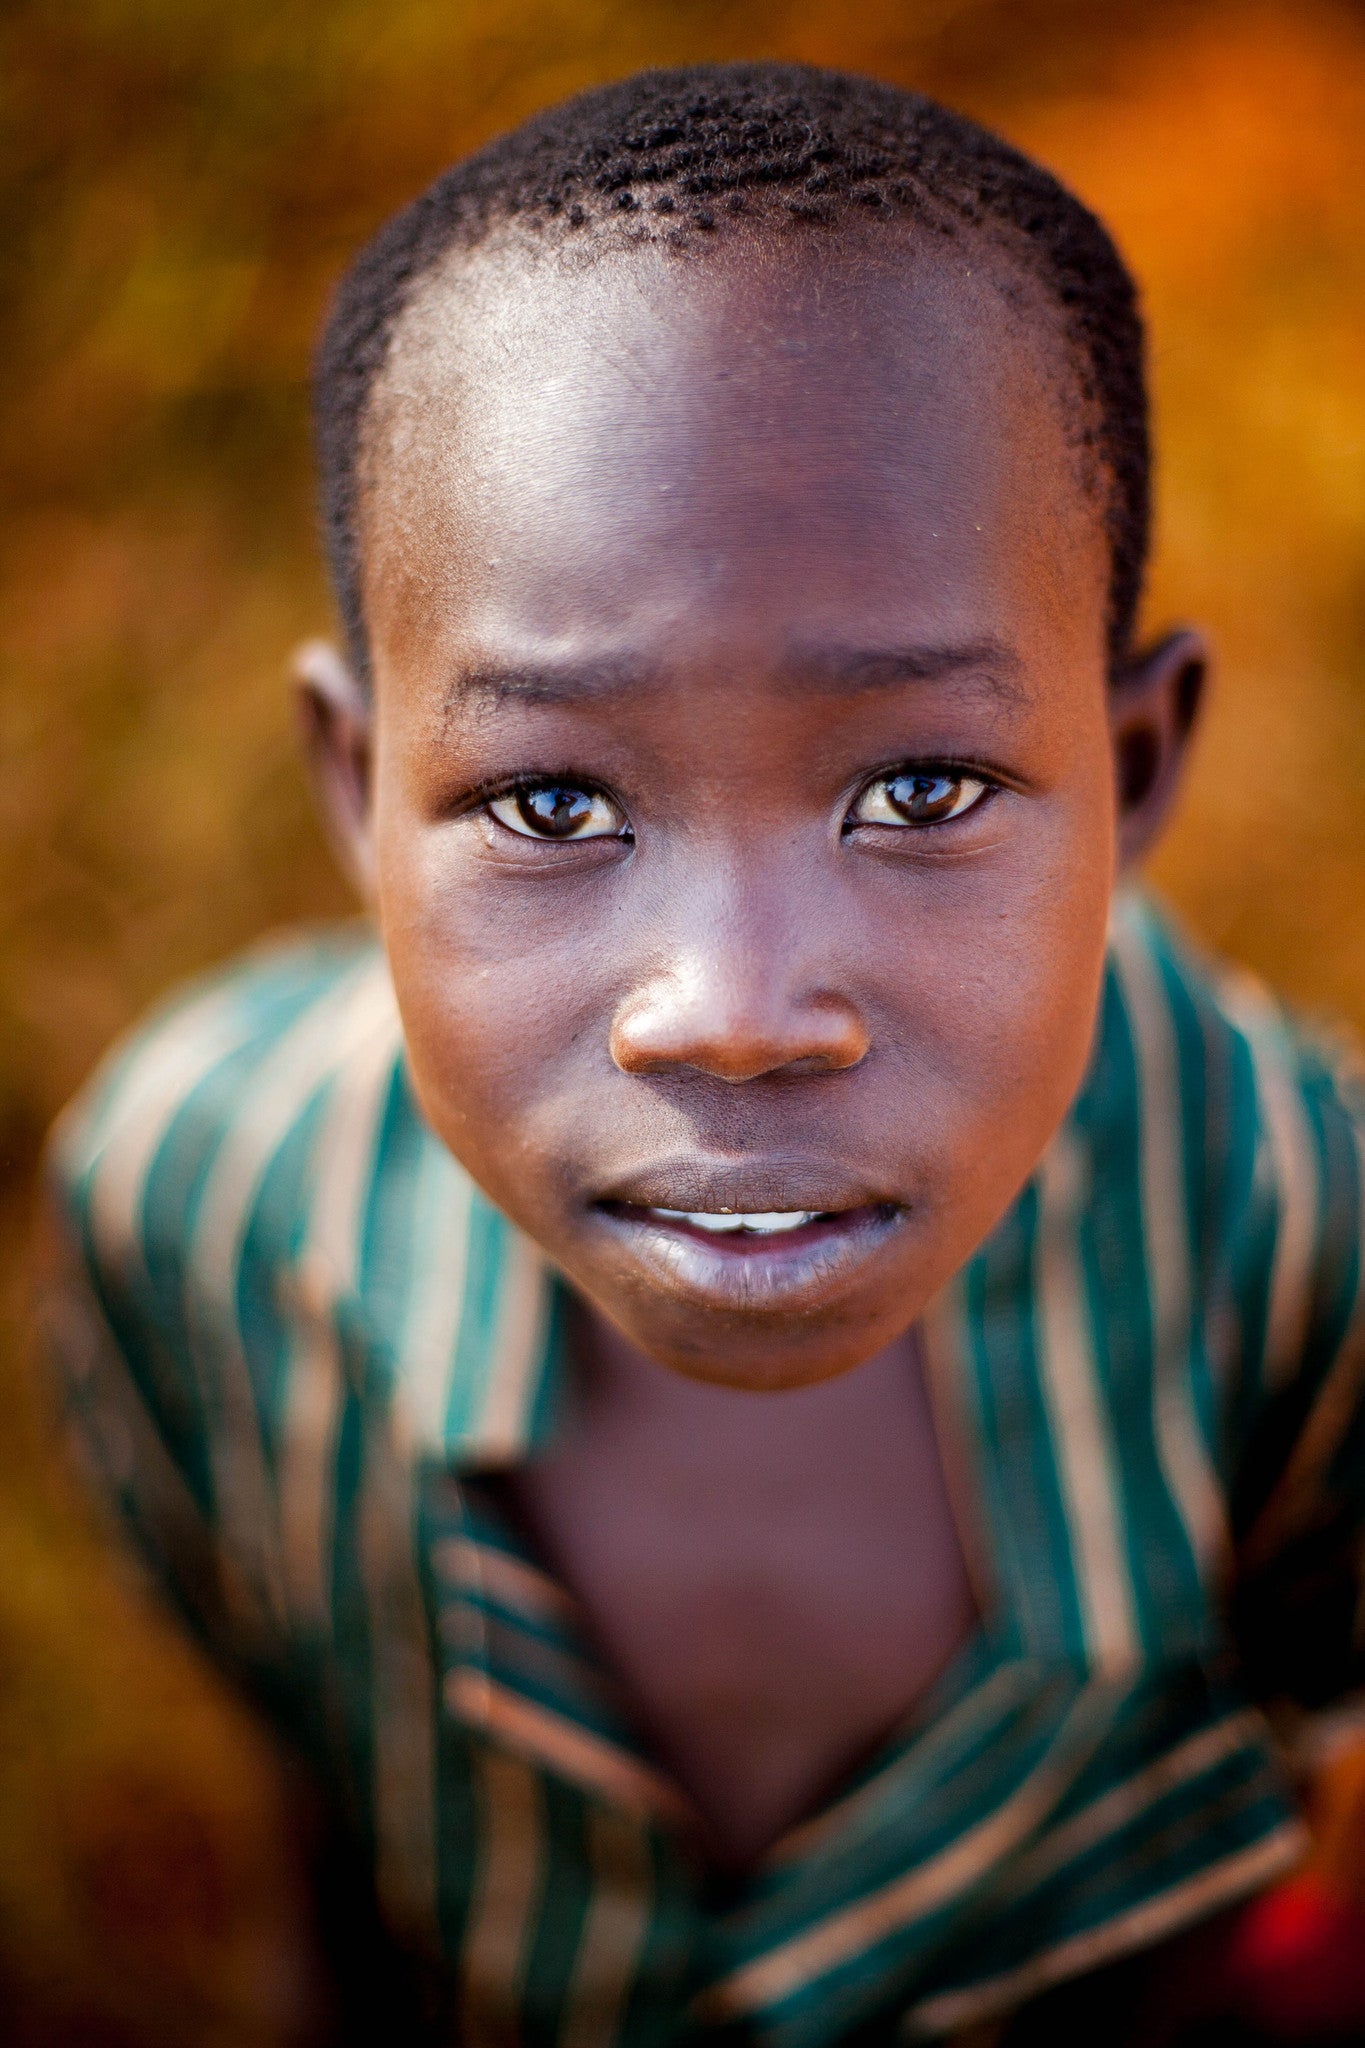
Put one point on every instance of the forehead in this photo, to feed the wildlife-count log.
(776, 436)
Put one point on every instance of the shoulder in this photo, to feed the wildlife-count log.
(1242, 1117)
(1216, 1051)
(213, 1088)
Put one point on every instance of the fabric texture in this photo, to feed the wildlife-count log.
(297, 1339)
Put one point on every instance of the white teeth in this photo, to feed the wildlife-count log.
(762, 1222)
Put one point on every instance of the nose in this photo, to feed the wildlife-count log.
(736, 1011)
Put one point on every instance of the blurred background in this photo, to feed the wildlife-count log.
(181, 183)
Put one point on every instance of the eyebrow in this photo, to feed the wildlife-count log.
(985, 663)
(550, 682)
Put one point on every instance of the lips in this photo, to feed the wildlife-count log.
(751, 1260)
(721, 1194)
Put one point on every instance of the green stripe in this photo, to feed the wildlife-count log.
(1160, 1561)
(557, 1930)
(385, 1277)
(478, 1324)
(1018, 1477)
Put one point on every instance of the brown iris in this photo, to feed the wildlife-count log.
(553, 810)
(924, 799)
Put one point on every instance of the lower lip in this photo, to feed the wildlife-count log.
(756, 1269)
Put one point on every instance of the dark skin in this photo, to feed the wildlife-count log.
(740, 799)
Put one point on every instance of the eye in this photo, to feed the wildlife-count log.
(918, 796)
(557, 810)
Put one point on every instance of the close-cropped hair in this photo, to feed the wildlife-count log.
(677, 157)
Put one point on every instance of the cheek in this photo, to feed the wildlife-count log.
(497, 997)
(1008, 1021)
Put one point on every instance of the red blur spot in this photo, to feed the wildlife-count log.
(1295, 1962)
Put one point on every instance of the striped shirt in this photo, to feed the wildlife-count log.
(298, 1339)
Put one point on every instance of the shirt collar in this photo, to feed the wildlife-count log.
(478, 1364)
(439, 1305)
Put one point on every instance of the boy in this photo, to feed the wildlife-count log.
(772, 1386)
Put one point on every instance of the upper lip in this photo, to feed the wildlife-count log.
(748, 1187)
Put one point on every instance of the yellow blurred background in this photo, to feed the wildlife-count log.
(181, 182)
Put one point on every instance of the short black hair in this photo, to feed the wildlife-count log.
(672, 156)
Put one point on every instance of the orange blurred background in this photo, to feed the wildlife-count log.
(181, 183)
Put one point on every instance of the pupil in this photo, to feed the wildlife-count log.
(557, 811)
(924, 798)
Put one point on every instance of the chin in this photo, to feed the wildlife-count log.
(760, 1354)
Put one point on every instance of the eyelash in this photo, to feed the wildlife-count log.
(921, 775)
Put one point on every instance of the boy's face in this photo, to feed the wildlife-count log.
(740, 817)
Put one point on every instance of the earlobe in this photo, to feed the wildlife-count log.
(1154, 707)
(335, 719)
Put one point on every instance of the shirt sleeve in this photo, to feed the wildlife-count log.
(1297, 1408)
(150, 1385)
(137, 1391)
(120, 1441)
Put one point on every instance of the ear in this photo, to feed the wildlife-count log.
(336, 724)
(1153, 706)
